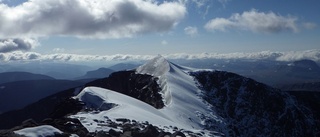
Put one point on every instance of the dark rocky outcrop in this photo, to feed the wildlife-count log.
(42, 109)
(251, 108)
(139, 86)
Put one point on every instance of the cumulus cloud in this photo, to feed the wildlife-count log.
(254, 21)
(89, 18)
(264, 55)
(23, 44)
(191, 31)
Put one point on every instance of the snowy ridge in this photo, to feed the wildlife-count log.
(113, 105)
(184, 108)
(186, 105)
(158, 67)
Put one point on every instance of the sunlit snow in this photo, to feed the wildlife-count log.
(184, 107)
(39, 131)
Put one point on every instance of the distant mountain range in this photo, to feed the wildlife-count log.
(273, 73)
(21, 76)
(162, 98)
(123, 66)
(99, 73)
(64, 70)
(27, 92)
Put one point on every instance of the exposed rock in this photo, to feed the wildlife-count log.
(178, 134)
(112, 132)
(139, 86)
(37, 111)
(68, 106)
(250, 108)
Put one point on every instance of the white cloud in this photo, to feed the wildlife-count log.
(264, 55)
(164, 42)
(89, 18)
(298, 55)
(191, 31)
(199, 3)
(24, 44)
(220, 24)
(58, 49)
(254, 21)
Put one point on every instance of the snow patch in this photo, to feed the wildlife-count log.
(39, 131)
(126, 107)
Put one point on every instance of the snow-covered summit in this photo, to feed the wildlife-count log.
(181, 94)
(155, 67)
(183, 106)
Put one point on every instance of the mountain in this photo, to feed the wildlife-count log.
(29, 91)
(6, 77)
(251, 108)
(305, 65)
(273, 73)
(308, 99)
(123, 66)
(305, 69)
(161, 98)
(311, 86)
(52, 69)
(99, 73)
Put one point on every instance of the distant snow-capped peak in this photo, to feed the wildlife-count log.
(155, 67)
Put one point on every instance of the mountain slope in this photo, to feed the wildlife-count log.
(30, 91)
(251, 108)
(113, 105)
(160, 97)
(123, 66)
(180, 94)
(222, 104)
(176, 93)
(99, 73)
(6, 77)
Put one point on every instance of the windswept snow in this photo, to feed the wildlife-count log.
(155, 67)
(39, 131)
(116, 105)
(184, 108)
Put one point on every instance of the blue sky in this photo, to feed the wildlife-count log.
(158, 27)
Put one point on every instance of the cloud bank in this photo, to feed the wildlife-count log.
(264, 55)
(9, 45)
(89, 18)
(254, 21)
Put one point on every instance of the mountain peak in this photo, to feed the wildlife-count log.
(155, 67)
(307, 64)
